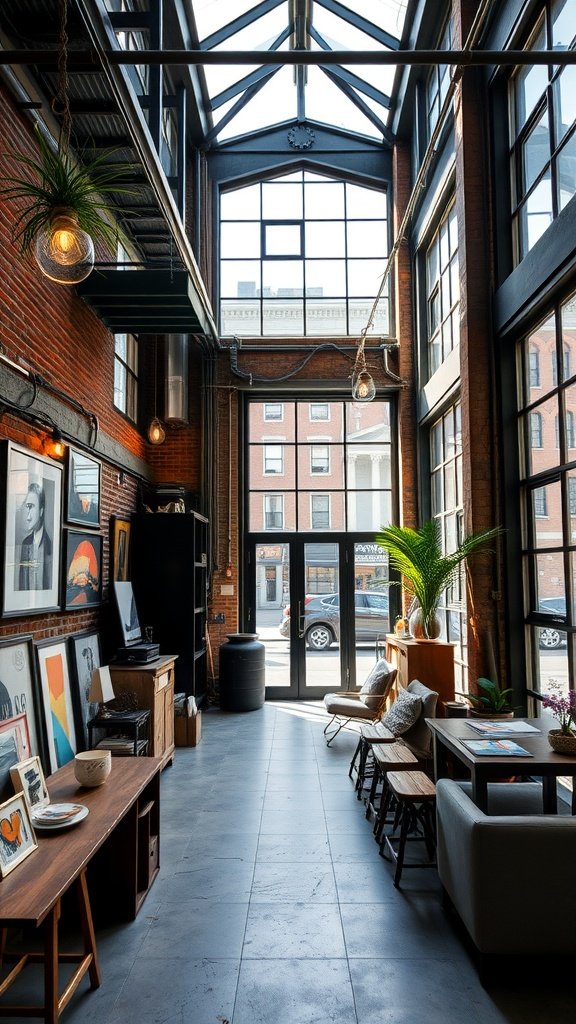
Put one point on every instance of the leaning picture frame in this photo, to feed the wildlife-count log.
(30, 530)
(19, 689)
(28, 778)
(83, 485)
(85, 656)
(119, 549)
(82, 575)
(57, 700)
(14, 747)
(17, 839)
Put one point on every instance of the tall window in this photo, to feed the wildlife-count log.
(543, 129)
(536, 431)
(438, 82)
(273, 511)
(534, 366)
(302, 254)
(443, 291)
(126, 375)
(320, 511)
(320, 458)
(273, 458)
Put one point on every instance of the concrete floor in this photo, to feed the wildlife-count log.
(273, 905)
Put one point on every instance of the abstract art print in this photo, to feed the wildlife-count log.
(57, 697)
(28, 778)
(18, 686)
(82, 569)
(17, 837)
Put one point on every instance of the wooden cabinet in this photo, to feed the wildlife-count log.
(169, 560)
(430, 661)
(153, 686)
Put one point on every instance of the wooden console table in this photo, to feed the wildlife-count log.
(31, 894)
(432, 662)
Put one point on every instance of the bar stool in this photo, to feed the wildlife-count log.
(369, 734)
(415, 796)
(388, 757)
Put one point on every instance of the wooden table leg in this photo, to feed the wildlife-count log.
(88, 935)
(51, 1010)
(549, 796)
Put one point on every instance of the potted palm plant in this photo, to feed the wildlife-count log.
(427, 572)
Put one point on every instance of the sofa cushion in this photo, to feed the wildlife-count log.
(404, 713)
(377, 684)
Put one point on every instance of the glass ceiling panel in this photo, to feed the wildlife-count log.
(328, 104)
(274, 103)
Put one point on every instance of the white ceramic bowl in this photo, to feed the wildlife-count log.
(92, 767)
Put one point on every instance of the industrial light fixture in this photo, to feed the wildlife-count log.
(363, 386)
(63, 251)
(53, 444)
(156, 433)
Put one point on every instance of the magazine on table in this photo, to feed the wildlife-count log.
(498, 729)
(496, 748)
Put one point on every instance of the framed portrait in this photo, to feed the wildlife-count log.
(82, 489)
(85, 656)
(119, 549)
(28, 778)
(59, 718)
(17, 837)
(82, 569)
(19, 694)
(14, 747)
(31, 500)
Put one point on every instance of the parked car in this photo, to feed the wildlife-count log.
(322, 618)
(550, 637)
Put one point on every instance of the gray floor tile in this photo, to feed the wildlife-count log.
(293, 849)
(293, 882)
(165, 991)
(303, 992)
(281, 931)
(286, 822)
(198, 929)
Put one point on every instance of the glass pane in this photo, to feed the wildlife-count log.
(367, 238)
(281, 201)
(570, 421)
(535, 152)
(536, 215)
(120, 342)
(566, 172)
(325, 277)
(239, 278)
(563, 25)
(132, 353)
(365, 276)
(551, 660)
(369, 510)
(260, 424)
(282, 316)
(282, 240)
(274, 461)
(325, 239)
(564, 102)
(283, 278)
(241, 204)
(324, 200)
(119, 386)
(369, 421)
(273, 610)
(320, 619)
(237, 317)
(240, 241)
(547, 515)
(541, 426)
(372, 613)
(365, 202)
(276, 514)
(358, 312)
(325, 316)
(529, 84)
(320, 515)
(320, 466)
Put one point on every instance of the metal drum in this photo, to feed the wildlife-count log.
(242, 679)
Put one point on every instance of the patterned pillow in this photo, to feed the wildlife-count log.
(403, 713)
(377, 683)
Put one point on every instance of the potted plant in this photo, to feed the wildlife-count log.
(426, 571)
(563, 708)
(492, 702)
(64, 209)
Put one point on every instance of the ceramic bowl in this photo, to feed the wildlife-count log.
(92, 767)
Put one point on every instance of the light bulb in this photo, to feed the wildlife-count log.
(156, 432)
(64, 252)
(363, 387)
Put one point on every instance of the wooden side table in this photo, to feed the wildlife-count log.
(132, 727)
(432, 662)
(153, 685)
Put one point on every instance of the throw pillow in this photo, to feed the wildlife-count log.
(403, 713)
(376, 684)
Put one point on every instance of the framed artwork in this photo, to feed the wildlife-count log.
(19, 692)
(14, 747)
(28, 778)
(82, 489)
(54, 674)
(31, 500)
(85, 656)
(17, 837)
(119, 548)
(82, 569)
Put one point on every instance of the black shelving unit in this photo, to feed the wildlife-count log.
(168, 557)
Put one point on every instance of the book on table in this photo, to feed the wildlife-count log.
(496, 729)
(496, 748)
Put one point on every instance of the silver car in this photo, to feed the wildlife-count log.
(322, 618)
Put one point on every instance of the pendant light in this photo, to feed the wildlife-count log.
(156, 433)
(363, 386)
(63, 251)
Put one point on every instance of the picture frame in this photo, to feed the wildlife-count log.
(119, 549)
(82, 569)
(85, 656)
(57, 700)
(28, 778)
(83, 489)
(17, 839)
(19, 687)
(14, 747)
(30, 530)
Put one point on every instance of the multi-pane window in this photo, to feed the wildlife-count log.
(319, 411)
(540, 502)
(273, 511)
(126, 375)
(302, 254)
(273, 412)
(319, 458)
(536, 431)
(273, 458)
(443, 291)
(320, 511)
(543, 129)
(534, 369)
(437, 83)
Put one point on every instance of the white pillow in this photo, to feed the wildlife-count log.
(403, 714)
(376, 684)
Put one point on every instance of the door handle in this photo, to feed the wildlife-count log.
(301, 627)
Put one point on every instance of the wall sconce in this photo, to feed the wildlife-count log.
(53, 445)
(229, 571)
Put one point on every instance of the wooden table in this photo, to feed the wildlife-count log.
(448, 733)
(31, 894)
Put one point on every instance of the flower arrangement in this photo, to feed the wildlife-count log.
(564, 709)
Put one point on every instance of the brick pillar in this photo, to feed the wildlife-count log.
(480, 471)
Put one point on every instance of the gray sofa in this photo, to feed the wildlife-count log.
(508, 873)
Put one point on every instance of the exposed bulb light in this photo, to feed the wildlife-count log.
(64, 252)
(363, 387)
(229, 571)
(53, 445)
(156, 432)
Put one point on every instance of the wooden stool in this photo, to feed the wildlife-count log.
(375, 732)
(415, 796)
(388, 757)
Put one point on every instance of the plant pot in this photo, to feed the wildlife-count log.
(562, 743)
(496, 715)
(417, 626)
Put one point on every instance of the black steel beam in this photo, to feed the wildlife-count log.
(357, 21)
(230, 29)
(358, 102)
(354, 80)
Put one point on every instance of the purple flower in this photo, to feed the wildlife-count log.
(563, 708)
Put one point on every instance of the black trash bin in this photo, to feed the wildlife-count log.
(242, 678)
